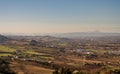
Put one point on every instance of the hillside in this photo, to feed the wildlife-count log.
(3, 39)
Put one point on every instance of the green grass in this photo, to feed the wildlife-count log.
(40, 55)
(6, 49)
(5, 54)
(46, 57)
(36, 53)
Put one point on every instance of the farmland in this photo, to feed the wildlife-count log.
(28, 56)
(6, 51)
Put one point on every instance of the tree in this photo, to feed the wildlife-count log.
(55, 72)
(68, 71)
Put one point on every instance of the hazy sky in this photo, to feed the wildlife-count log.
(57, 16)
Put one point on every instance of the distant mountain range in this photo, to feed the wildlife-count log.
(84, 34)
(70, 35)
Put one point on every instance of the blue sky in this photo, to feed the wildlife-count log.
(59, 16)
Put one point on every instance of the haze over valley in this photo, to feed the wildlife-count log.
(59, 37)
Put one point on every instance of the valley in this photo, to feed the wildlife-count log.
(48, 55)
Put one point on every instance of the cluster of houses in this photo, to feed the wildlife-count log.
(83, 51)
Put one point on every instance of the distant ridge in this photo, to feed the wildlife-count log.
(85, 34)
(3, 39)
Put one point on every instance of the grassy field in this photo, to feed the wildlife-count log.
(5, 54)
(40, 55)
(33, 52)
(6, 51)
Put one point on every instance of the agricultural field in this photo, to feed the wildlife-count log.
(27, 68)
(49, 57)
(6, 51)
